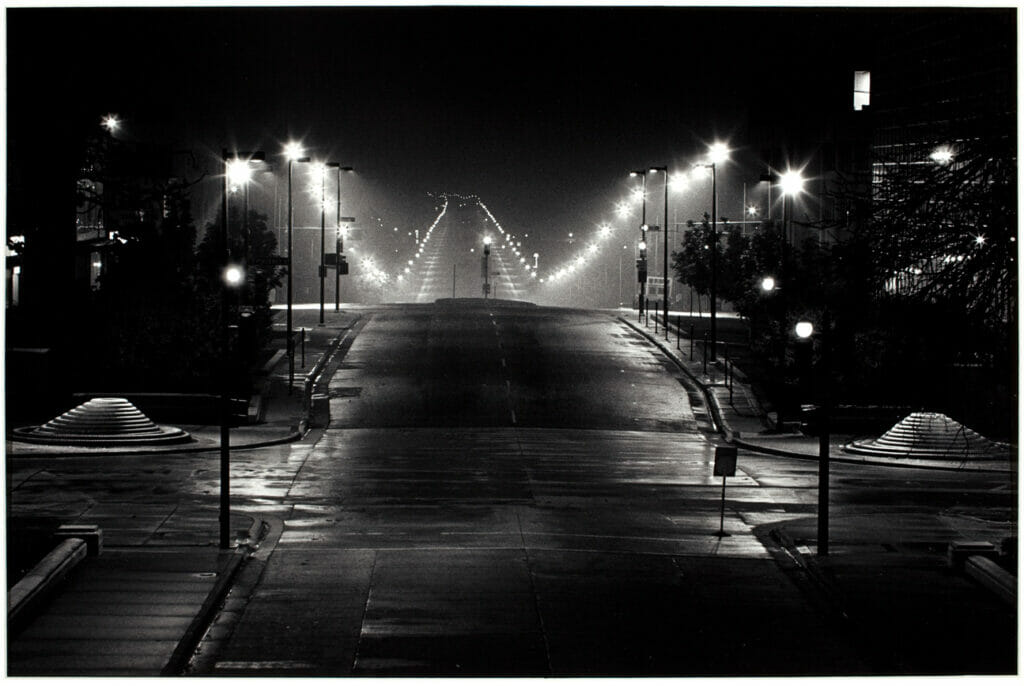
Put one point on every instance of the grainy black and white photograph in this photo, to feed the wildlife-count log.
(511, 340)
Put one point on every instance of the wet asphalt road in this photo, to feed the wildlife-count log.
(509, 490)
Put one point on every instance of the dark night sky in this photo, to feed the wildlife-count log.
(540, 111)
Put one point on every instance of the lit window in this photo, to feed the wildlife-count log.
(861, 90)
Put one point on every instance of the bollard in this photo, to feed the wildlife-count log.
(691, 342)
(303, 365)
(679, 329)
(656, 307)
(647, 311)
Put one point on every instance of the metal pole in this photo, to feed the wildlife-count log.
(225, 430)
(823, 436)
(679, 330)
(323, 239)
(620, 278)
(721, 517)
(714, 259)
(641, 301)
(291, 343)
(664, 259)
(337, 247)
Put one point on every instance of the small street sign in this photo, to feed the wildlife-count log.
(725, 465)
(348, 219)
(725, 460)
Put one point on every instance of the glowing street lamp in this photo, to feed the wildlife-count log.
(486, 265)
(768, 284)
(339, 239)
(322, 170)
(942, 155)
(233, 277)
(293, 152)
(111, 123)
(641, 264)
(664, 257)
(805, 330)
(717, 153)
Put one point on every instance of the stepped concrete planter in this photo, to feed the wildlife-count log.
(930, 435)
(102, 422)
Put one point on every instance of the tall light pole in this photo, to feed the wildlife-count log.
(664, 260)
(487, 269)
(338, 241)
(641, 266)
(718, 152)
(805, 330)
(322, 271)
(232, 277)
(293, 151)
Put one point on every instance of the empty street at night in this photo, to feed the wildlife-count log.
(530, 341)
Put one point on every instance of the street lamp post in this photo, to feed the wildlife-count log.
(717, 153)
(339, 246)
(294, 153)
(232, 277)
(664, 259)
(487, 268)
(641, 267)
(805, 330)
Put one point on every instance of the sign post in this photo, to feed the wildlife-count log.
(725, 465)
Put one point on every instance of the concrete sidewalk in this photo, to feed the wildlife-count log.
(143, 604)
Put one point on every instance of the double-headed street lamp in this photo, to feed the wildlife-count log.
(641, 263)
(233, 276)
(293, 151)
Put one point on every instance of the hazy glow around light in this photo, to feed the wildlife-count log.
(111, 123)
(239, 172)
(792, 182)
(768, 283)
(233, 275)
(679, 181)
(718, 152)
(293, 151)
(942, 155)
(804, 329)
